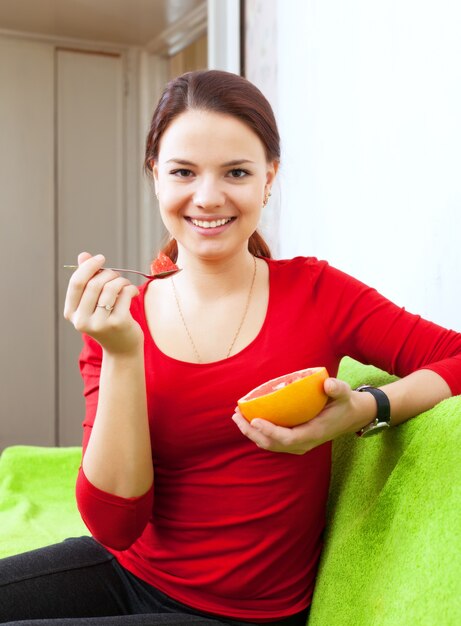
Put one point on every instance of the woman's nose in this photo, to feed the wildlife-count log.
(208, 194)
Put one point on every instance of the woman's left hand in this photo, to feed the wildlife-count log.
(346, 411)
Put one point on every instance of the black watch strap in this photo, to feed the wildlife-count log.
(383, 415)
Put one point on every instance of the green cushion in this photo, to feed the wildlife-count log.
(392, 552)
(37, 502)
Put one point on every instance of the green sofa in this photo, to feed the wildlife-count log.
(392, 554)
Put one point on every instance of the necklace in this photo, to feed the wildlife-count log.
(247, 305)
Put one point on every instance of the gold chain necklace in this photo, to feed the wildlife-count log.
(194, 347)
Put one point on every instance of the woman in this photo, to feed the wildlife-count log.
(196, 515)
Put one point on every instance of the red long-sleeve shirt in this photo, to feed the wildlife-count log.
(230, 528)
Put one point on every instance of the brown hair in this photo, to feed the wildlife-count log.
(218, 92)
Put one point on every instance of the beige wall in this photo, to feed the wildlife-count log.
(27, 244)
(193, 57)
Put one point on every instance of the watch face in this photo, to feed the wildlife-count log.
(374, 429)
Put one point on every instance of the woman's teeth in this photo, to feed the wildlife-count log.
(210, 224)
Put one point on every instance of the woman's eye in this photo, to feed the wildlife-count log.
(182, 173)
(238, 173)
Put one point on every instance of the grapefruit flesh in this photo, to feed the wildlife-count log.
(163, 266)
(288, 400)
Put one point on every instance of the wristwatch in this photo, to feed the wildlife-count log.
(382, 420)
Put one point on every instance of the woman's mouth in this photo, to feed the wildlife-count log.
(210, 225)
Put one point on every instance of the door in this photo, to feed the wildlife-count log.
(62, 190)
(90, 197)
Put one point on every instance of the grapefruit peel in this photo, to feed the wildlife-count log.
(287, 400)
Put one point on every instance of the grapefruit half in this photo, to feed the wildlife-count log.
(288, 400)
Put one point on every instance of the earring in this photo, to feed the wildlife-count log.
(267, 195)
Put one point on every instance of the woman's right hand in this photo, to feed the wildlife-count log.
(89, 291)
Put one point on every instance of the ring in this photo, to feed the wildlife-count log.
(108, 307)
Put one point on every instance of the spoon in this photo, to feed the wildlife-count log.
(118, 269)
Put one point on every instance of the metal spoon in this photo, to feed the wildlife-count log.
(118, 269)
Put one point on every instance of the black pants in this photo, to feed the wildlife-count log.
(79, 583)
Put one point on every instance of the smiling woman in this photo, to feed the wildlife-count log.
(212, 176)
(225, 95)
(196, 514)
(214, 205)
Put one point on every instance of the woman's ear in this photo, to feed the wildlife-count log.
(154, 168)
(272, 169)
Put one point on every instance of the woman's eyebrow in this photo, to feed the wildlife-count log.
(237, 162)
(180, 162)
(227, 164)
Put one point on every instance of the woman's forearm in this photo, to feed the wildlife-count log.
(118, 458)
(408, 397)
(414, 394)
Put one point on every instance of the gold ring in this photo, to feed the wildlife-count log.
(108, 307)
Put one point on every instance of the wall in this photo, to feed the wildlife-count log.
(192, 57)
(27, 197)
(369, 96)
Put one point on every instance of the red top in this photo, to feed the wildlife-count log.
(230, 528)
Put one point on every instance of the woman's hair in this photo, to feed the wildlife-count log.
(217, 92)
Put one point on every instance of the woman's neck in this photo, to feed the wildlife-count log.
(212, 278)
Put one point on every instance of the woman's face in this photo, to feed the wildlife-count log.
(211, 177)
